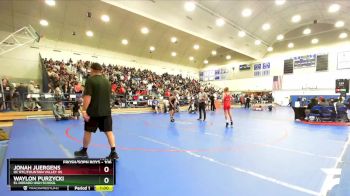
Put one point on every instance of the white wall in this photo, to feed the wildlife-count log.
(21, 64)
(308, 81)
(304, 81)
(104, 56)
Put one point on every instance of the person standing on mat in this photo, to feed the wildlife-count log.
(202, 99)
(226, 98)
(172, 106)
(247, 102)
(212, 102)
(96, 110)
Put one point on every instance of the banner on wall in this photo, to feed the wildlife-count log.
(343, 60)
(262, 69)
(210, 75)
(304, 61)
(257, 70)
(244, 67)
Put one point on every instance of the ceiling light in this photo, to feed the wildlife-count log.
(257, 42)
(220, 22)
(173, 54)
(314, 41)
(343, 35)
(190, 6)
(241, 33)
(105, 18)
(89, 33)
(144, 30)
(213, 52)
(280, 37)
(196, 46)
(191, 58)
(339, 24)
(307, 31)
(50, 2)
(173, 40)
(266, 26)
(270, 49)
(246, 12)
(280, 2)
(125, 42)
(333, 8)
(205, 61)
(228, 57)
(290, 45)
(44, 23)
(296, 18)
(152, 48)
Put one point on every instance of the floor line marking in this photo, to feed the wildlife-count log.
(52, 136)
(329, 181)
(61, 146)
(257, 175)
(282, 148)
(298, 151)
(285, 149)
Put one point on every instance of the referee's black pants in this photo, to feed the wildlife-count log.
(202, 108)
(212, 106)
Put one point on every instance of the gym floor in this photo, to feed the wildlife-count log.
(265, 153)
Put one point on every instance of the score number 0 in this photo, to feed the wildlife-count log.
(106, 170)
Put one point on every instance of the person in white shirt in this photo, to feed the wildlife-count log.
(166, 105)
(202, 99)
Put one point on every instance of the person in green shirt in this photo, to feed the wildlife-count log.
(59, 111)
(96, 110)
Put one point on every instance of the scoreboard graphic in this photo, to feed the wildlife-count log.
(342, 86)
(61, 174)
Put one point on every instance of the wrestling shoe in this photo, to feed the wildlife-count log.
(226, 124)
(81, 154)
(231, 124)
(113, 155)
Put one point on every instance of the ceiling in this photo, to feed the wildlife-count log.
(71, 16)
(166, 19)
(201, 22)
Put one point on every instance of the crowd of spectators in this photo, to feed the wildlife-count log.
(68, 77)
(65, 81)
(16, 96)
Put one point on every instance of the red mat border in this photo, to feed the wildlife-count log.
(325, 123)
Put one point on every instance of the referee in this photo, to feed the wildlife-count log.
(97, 111)
(202, 99)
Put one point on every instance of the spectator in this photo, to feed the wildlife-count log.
(8, 94)
(312, 103)
(22, 92)
(76, 108)
(31, 87)
(322, 102)
(339, 104)
(155, 105)
(59, 111)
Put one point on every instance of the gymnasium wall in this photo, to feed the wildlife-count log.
(303, 81)
(21, 64)
(77, 52)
